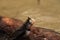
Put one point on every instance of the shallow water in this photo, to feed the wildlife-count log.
(46, 13)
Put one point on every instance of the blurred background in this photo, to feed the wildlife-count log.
(45, 12)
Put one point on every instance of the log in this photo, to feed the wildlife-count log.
(38, 33)
(9, 25)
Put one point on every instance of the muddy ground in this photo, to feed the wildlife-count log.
(46, 12)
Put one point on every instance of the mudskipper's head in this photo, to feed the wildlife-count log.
(29, 24)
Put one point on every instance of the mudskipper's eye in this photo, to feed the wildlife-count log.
(32, 21)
